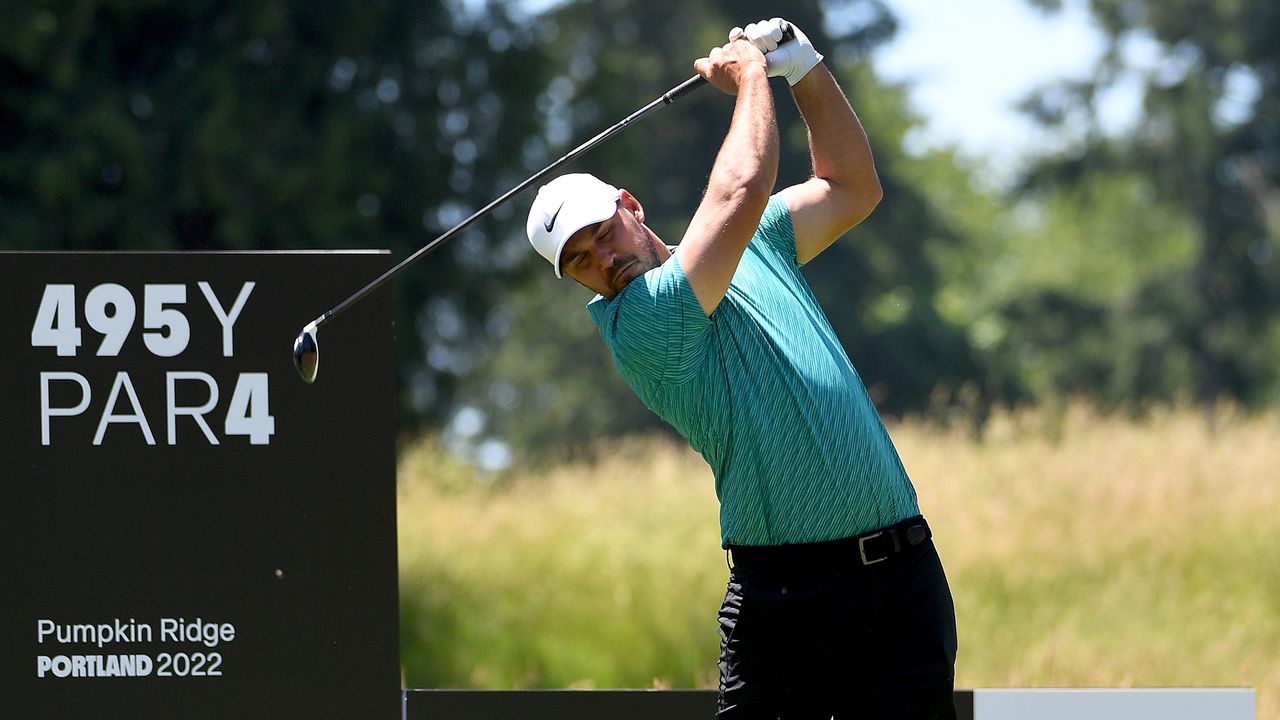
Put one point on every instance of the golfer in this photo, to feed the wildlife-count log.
(837, 604)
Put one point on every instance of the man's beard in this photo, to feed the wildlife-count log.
(648, 259)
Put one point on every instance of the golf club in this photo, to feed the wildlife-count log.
(306, 348)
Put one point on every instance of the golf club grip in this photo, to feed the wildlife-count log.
(697, 81)
(683, 89)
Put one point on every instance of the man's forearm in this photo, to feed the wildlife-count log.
(837, 142)
(748, 157)
(737, 191)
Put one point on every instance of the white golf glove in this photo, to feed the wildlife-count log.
(792, 59)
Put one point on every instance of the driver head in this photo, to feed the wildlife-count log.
(306, 353)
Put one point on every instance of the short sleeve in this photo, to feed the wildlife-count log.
(776, 230)
(655, 328)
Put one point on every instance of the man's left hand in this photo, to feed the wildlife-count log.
(792, 58)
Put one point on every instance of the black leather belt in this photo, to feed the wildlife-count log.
(862, 550)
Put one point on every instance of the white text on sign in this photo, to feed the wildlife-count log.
(111, 310)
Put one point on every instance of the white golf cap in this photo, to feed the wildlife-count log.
(563, 207)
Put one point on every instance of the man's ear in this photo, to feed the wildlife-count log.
(631, 204)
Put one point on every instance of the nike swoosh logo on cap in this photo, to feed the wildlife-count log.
(552, 222)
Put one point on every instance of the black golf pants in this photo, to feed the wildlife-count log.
(841, 639)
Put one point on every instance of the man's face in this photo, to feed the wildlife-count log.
(604, 257)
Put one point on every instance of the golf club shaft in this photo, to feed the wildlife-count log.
(666, 98)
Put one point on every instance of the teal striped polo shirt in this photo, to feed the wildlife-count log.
(765, 392)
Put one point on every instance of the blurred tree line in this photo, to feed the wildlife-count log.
(1191, 187)
(1132, 269)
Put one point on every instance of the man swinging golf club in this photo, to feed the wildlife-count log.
(837, 604)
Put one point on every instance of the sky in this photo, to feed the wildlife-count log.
(970, 63)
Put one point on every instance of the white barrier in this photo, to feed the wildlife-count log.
(1162, 704)
(1037, 704)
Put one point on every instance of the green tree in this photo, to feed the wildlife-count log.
(1204, 155)
(278, 125)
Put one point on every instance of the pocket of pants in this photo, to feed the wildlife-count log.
(926, 612)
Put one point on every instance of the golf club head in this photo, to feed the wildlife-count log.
(306, 353)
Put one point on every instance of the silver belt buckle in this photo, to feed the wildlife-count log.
(862, 548)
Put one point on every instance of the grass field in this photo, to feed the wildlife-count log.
(1086, 552)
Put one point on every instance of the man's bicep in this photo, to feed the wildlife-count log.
(821, 211)
(713, 245)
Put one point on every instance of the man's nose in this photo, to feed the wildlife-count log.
(606, 256)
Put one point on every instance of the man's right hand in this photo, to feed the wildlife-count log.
(726, 66)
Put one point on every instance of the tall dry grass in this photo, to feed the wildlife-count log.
(606, 575)
(1085, 551)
